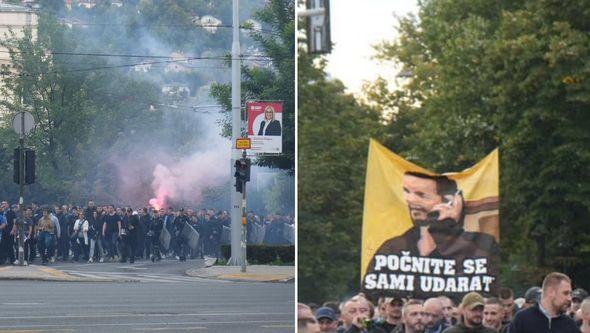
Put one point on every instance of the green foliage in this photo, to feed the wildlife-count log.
(98, 118)
(508, 74)
(273, 82)
(280, 196)
(334, 132)
(73, 111)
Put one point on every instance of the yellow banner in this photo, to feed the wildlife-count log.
(426, 234)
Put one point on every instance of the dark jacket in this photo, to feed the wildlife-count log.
(144, 223)
(533, 320)
(400, 329)
(156, 227)
(461, 328)
(273, 128)
(179, 223)
(133, 225)
(374, 329)
(452, 243)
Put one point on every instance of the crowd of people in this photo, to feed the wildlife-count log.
(553, 307)
(98, 233)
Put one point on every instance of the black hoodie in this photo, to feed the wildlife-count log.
(533, 320)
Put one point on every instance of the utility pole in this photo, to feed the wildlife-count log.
(237, 257)
(244, 220)
(21, 200)
(23, 123)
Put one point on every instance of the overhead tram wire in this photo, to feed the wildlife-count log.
(133, 65)
(193, 108)
(204, 26)
(91, 54)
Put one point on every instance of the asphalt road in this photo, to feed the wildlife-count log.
(163, 301)
(142, 270)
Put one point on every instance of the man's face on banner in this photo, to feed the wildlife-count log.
(421, 196)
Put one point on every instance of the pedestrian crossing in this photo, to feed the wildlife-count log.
(139, 277)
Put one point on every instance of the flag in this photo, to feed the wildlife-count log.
(426, 234)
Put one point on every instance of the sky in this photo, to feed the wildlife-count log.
(355, 27)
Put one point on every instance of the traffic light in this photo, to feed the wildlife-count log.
(29, 166)
(242, 173)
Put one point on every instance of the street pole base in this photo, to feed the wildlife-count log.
(236, 262)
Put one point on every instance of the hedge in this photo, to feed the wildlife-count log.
(265, 254)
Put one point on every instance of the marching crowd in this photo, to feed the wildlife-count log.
(98, 233)
(553, 307)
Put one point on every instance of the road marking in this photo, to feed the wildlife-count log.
(158, 306)
(32, 331)
(277, 326)
(142, 277)
(143, 324)
(11, 304)
(171, 328)
(131, 315)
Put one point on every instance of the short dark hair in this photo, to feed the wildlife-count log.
(444, 185)
(332, 305)
(492, 301)
(506, 293)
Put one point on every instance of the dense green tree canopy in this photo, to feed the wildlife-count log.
(95, 81)
(334, 132)
(274, 81)
(483, 74)
(512, 75)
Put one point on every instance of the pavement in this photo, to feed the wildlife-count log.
(254, 273)
(46, 273)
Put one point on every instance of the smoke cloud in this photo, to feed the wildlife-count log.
(186, 180)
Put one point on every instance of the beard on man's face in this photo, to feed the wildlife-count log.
(418, 213)
(422, 218)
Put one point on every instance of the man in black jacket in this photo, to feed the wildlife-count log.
(181, 242)
(472, 316)
(63, 242)
(412, 318)
(129, 241)
(549, 314)
(155, 229)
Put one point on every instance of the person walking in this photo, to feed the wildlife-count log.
(110, 231)
(80, 238)
(154, 233)
(549, 315)
(46, 232)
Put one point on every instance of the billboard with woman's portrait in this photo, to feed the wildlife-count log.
(265, 123)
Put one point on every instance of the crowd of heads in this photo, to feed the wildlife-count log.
(51, 231)
(437, 314)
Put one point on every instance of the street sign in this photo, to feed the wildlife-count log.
(243, 143)
(23, 123)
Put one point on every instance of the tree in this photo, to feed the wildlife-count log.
(334, 132)
(508, 74)
(273, 82)
(74, 108)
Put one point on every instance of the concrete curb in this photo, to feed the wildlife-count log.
(257, 273)
(44, 273)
